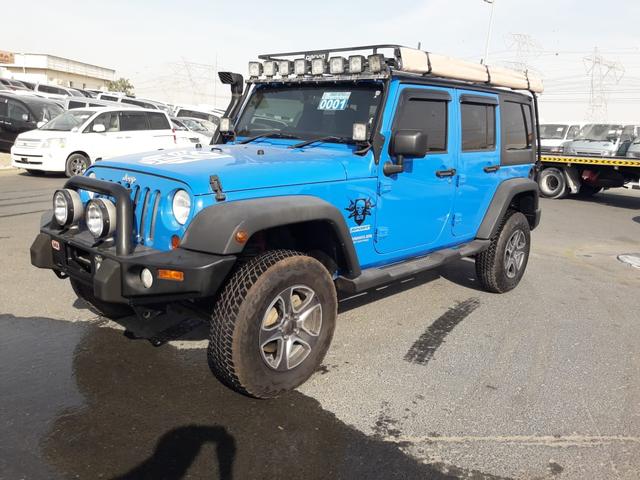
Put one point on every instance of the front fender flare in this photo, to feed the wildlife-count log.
(213, 229)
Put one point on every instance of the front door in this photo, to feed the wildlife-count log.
(414, 207)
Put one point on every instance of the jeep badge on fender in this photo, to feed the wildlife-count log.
(333, 170)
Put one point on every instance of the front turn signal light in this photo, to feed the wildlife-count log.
(174, 275)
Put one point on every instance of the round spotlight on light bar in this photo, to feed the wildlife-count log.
(285, 67)
(356, 63)
(67, 207)
(270, 68)
(337, 65)
(301, 66)
(376, 63)
(255, 69)
(100, 217)
(318, 66)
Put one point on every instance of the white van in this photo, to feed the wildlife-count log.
(55, 93)
(74, 140)
(553, 136)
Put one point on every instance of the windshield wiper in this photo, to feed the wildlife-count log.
(330, 138)
(268, 135)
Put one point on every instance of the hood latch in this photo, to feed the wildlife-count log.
(216, 186)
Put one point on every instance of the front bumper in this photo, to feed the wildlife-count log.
(37, 159)
(116, 278)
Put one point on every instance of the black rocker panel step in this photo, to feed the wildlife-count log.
(373, 277)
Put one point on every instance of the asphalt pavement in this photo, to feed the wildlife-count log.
(430, 378)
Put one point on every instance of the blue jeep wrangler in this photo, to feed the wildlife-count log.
(329, 174)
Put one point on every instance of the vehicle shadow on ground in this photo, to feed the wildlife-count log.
(636, 219)
(611, 199)
(158, 413)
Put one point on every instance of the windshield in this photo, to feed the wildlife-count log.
(553, 131)
(600, 132)
(310, 111)
(196, 125)
(69, 121)
(47, 112)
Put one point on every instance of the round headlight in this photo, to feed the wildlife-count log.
(67, 207)
(101, 217)
(181, 206)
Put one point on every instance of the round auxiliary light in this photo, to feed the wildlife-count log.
(101, 217)
(67, 207)
(181, 206)
(146, 277)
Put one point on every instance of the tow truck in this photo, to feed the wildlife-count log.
(562, 175)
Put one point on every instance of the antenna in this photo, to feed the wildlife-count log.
(602, 73)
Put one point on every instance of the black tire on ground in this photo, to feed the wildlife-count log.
(35, 173)
(501, 267)
(257, 336)
(588, 190)
(552, 183)
(109, 310)
(77, 163)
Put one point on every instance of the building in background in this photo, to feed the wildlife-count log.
(54, 70)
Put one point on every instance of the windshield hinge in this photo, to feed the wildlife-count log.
(216, 186)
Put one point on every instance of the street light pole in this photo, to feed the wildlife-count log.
(486, 46)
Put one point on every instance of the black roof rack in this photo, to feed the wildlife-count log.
(373, 48)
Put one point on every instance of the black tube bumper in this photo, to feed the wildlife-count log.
(116, 278)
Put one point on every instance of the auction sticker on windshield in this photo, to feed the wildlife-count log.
(334, 101)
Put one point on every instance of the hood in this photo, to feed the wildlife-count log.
(240, 167)
(38, 134)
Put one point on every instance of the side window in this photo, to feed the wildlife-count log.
(109, 97)
(573, 132)
(478, 126)
(427, 115)
(16, 111)
(158, 121)
(76, 104)
(110, 120)
(130, 121)
(517, 123)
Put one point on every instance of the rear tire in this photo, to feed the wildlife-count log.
(501, 267)
(109, 310)
(552, 183)
(272, 324)
(77, 163)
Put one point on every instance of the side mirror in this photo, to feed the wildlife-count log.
(405, 143)
(25, 117)
(40, 124)
(99, 128)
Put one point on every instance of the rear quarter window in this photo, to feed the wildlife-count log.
(158, 121)
(518, 134)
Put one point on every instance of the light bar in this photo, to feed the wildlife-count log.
(318, 66)
(270, 68)
(255, 69)
(285, 67)
(337, 65)
(356, 63)
(301, 66)
(376, 62)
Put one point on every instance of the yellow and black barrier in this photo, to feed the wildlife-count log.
(608, 161)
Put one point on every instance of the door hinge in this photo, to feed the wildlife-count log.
(456, 219)
(383, 188)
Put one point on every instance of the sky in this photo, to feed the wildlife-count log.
(171, 49)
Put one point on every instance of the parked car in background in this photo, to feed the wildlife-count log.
(634, 148)
(603, 140)
(13, 84)
(75, 139)
(55, 92)
(83, 102)
(553, 136)
(184, 134)
(139, 102)
(20, 114)
(195, 112)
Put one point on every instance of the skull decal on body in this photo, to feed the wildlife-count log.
(360, 209)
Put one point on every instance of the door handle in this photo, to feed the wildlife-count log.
(445, 173)
(491, 168)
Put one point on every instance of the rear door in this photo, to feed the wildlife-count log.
(479, 164)
(160, 134)
(134, 131)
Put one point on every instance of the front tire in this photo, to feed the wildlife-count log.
(109, 310)
(272, 324)
(552, 183)
(77, 164)
(501, 267)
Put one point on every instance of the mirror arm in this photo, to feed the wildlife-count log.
(391, 168)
